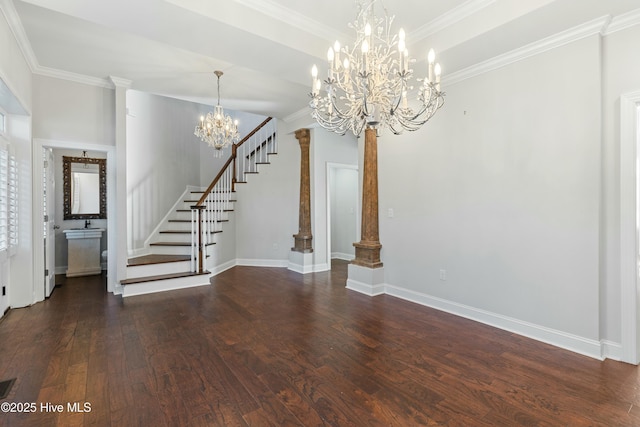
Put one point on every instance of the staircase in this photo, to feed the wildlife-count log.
(179, 253)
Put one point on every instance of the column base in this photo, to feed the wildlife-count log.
(368, 281)
(302, 243)
(367, 254)
(301, 262)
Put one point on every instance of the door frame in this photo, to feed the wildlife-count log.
(38, 256)
(333, 167)
(629, 210)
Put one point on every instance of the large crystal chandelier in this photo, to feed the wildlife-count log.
(368, 85)
(217, 129)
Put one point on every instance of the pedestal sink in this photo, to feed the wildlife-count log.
(83, 251)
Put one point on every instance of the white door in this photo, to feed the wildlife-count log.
(49, 228)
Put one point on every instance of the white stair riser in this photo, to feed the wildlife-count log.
(170, 250)
(164, 285)
(187, 215)
(173, 250)
(157, 269)
(216, 205)
(186, 226)
(181, 238)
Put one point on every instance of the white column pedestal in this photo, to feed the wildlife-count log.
(301, 262)
(368, 281)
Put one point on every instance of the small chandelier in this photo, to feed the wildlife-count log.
(368, 84)
(217, 129)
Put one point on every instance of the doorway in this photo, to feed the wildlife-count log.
(343, 219)
(629, 226)
(40, 259)
(49, 226)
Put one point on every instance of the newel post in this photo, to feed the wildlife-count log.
(303, 240)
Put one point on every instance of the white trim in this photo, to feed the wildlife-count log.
(38, 145)
(449, 18)
(365, 288)
(628, 226)
(170, 213)
(290, 17)
(15, 24)
(368, 281)
(343, 256)
(222, 267)
(575, 343)
(611, 350)
(298, 115)
(579, 32)
(262, 262)
(73, 77)
(622, 22)
(329, 167)
(165, 285)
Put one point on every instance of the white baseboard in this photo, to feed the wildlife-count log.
(611, 350)
(342, 255)
(305, 269)
(222, 267)
(577, 344)
(132, 253)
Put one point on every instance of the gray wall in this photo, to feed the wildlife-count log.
(163, 158)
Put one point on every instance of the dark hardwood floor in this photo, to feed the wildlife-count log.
(266, 346)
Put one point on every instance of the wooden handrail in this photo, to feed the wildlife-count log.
(214, 182)
(232, 158)
(200, 205)
(250, 134)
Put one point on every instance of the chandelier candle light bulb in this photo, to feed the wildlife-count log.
(369, 84)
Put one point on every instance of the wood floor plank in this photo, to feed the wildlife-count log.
(268, 346)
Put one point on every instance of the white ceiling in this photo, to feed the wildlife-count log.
(266, 47)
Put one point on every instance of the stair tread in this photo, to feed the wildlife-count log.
(188, 220)
(176, 244)
(188, 210)
(185, 231)
(161, 277)
(156, 259)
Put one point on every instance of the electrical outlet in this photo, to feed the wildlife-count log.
(443, 274)
(275, 246)
(390, 213)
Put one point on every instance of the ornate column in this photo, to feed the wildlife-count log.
(303, 240)
(368, 249)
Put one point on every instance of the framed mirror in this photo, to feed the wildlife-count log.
(84, 188)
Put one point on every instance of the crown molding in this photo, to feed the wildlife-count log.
(587, 29)
(622, 22)
(119, 82)
(73, 77)
(15, 24)
(297, 115)
(449, 18)
(280, 13)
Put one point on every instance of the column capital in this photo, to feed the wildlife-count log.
(303, 136)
